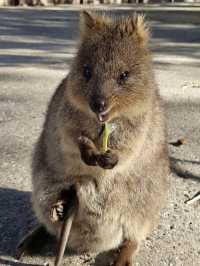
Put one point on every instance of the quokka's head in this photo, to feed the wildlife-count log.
(111, 74)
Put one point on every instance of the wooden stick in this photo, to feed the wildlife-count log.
(64, 235)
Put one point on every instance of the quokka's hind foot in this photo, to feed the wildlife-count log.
(58, 211)
(32, 242)
(107, 160)
(125, 254)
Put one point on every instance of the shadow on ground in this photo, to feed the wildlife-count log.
(17, 220)
(186, 174)
(37, 37)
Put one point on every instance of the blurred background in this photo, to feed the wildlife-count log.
(57, 2)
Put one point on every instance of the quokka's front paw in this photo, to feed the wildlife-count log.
(107, 160)
(58, 211)
(88, 150)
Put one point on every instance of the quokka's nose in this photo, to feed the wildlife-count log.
(98, 105)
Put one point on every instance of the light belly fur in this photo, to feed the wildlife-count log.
(95, 236)
(97, 226)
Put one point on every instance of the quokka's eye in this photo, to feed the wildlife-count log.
(123, 76)
(87, 73)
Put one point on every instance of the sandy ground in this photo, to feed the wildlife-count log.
(36, 48)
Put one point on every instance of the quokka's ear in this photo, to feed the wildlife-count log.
(135, 26)
(91, 23)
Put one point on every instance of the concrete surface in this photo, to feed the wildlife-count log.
(36, 48)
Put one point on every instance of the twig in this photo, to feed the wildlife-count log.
(179, 142)
(193, 199)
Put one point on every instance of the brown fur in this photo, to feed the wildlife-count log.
(125, 254)
(123, 202)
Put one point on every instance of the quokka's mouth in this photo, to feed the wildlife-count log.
(103, 116)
